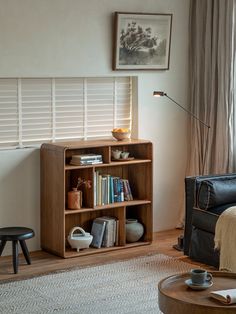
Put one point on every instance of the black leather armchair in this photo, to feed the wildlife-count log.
(206, 198)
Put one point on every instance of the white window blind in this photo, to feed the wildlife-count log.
(40, 110)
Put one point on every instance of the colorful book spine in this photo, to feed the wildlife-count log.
(116, 189)
(107, 188)
(121, 190)
(126, 191)
(130, 193)
(95, 188)
(103, 190)
(99, 190)
(111, 190)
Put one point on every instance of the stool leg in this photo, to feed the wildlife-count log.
(2, 245)
(15, 255)
(25, 251)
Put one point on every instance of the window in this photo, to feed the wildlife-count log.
(40, 110)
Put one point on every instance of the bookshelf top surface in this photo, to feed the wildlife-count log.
(92, 143)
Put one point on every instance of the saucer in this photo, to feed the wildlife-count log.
(204, 286)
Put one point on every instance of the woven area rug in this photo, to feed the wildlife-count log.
(123, 287)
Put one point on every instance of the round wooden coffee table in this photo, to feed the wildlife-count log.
(175, 297)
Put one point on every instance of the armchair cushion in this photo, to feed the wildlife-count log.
(204, 220)
(216, 192)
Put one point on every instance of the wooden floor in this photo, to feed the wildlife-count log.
(43, 263)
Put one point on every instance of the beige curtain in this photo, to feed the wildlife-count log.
(212, 46)
(211, 90)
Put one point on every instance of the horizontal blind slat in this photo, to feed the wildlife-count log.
(36, 108)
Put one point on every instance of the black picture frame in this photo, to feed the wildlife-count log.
(141, 41)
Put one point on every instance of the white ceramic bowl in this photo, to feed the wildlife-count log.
(121, 136)
(79, 240)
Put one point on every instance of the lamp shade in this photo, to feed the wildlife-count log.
(159, 93)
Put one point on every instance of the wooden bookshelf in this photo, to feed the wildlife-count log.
(58, 177)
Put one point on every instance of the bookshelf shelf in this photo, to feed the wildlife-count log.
(72, 253)
(107, 206)
(112, 163)
(122, 204)
(135, 161)
(78, 211)
(58, 177)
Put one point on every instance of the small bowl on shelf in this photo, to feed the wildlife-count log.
(121, 136)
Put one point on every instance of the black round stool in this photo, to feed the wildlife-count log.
(16, 234)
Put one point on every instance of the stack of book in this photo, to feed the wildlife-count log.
(86, 159)
(105, 232)
(109, 189)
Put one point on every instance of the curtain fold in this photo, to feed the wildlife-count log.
(211, 85)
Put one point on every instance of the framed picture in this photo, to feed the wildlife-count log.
(142, 41)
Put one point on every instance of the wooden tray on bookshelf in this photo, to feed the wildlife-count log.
(123, 159)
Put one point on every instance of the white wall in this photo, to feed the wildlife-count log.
(74, 38)
(19, 191)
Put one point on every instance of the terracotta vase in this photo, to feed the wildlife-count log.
(75, 199)
(134, 230)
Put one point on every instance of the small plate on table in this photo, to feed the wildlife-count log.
(193, 286)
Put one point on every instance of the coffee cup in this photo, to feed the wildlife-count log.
(124, 155)
(116, 154)
(200, 276)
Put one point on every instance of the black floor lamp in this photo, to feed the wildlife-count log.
(159, 94)
(179, 245)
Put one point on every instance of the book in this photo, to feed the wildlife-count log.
(121, 189)
(107, 188)
(111, 190)
(103, 190)
(109, 232)
(87, 157)
(117, 233)
(113, 230)
(86, 162)
(95, 188)
(116, 189)
(97, 232)
(126, 191)
(225, 296)
(99, 201)
(130, 196)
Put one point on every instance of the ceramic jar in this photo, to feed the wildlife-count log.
(75, 199)
(134, 230)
